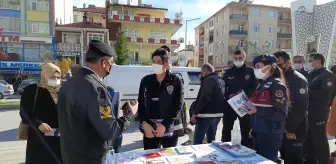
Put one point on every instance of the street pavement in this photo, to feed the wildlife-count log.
(13, 152)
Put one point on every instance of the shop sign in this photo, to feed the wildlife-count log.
(63, 53)
(9, 38)
(9, 64)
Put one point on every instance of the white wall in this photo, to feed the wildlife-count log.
(181, 57)
(78, 16)
(63, 11)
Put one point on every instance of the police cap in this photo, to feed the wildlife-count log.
(99, 49)
(266, 59)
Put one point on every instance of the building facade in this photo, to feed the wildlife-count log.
(26, 37)
(95, 14)
(254, 28)
(314, 29)
(73, 39)
(146, 28)
(184, 57)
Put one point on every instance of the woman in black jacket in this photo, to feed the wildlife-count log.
(38, 102)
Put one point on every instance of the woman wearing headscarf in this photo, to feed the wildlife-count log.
(38, 103)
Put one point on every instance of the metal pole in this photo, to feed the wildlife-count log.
(185, 47)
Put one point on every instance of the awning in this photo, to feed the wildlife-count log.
(9, 70)
(31, 71)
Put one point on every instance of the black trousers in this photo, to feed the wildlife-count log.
(292, 151)
(228, 121)
(155, 143)
(317, 146)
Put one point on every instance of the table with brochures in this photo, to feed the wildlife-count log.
(215, 153)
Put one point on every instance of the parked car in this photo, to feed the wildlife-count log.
(5, 89)
(25, 83)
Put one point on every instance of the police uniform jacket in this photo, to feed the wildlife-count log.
(237, 79)
(304, 72)
(271, 103)
(86, 122)
(210, 97)
(161, 101)
(321, 94)
(297, 121)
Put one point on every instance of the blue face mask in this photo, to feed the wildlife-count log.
(309, 66)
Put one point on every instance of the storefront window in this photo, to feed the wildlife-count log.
(31, 53)
(45, 52)
(13, 50)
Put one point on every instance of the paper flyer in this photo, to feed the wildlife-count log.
(240, 104)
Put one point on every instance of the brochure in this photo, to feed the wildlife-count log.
(181, 160)
(185, 150)
(241, 104)
(168, 152)
(156, 161)
(236, 150)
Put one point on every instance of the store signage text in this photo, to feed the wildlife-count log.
(9, 38)
(62, 53)
(20, 65)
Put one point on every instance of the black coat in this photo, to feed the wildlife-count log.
(87, 124)
(45, 112)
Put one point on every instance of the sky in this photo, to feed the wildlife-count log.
(191, 9)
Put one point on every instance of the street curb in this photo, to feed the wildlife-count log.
(11, 107)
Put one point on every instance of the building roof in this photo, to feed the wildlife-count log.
(91, 9)
(233, 3)
(144, 6)
(84, 24)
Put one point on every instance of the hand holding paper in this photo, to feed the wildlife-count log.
(241, 104)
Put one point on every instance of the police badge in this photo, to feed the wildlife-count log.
(170, 89)
(247, 77)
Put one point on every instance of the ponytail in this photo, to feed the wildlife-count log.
(278, 73)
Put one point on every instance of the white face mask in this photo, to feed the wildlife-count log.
(259, 74)
(157, 68)
(298, 66)
(53, 82)
(309, 67)
(238, 63)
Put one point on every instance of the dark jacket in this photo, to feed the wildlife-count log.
(237, 79)
(271, 102)
(45, 111)
(303, 72)
(322, 85)
(297, 121)
(161, 100)
(210, 97)
(87, 124)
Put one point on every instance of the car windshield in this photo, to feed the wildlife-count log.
(3, 82)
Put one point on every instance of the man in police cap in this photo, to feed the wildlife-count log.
(297, 120)
(86, 120)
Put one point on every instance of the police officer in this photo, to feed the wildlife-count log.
(321, 93)
(86, 122)
(160, 103)
(269, 115)
(237, 78)
(297, 121)
(299, 65)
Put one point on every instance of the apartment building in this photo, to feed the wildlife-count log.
(254, 28)
(26, 37)
(146, 27)
(94, 14)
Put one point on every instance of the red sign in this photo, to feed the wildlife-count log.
(9, 38)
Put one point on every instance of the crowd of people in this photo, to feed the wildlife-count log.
(74, 122)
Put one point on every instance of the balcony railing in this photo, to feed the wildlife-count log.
(151, 40)
(238, 32)
(201, 45)
(284, 36)
(238, 17)
(146, 19)
(283, 20)
(67, 47)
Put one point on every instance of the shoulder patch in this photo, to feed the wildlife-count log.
(105, 112)
(279, 93)
(302, 91)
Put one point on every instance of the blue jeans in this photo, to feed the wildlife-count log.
(206, 126)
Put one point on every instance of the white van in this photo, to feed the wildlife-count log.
(126, 80)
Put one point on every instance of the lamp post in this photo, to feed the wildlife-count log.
(186, 39)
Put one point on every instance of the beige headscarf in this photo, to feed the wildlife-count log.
(49, 70)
